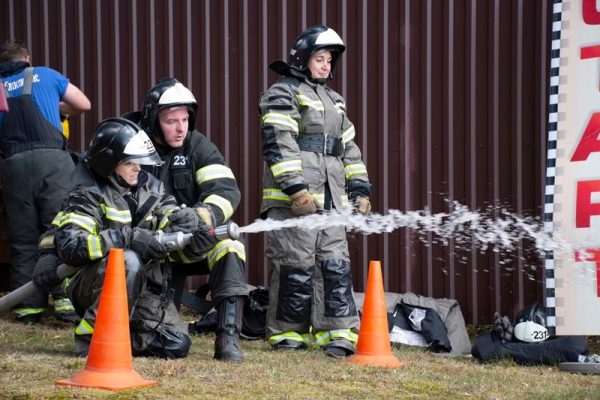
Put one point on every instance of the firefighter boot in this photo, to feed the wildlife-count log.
(229, 325)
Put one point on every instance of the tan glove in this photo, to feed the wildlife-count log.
(206, 216)
(303, 203)
(362, 205)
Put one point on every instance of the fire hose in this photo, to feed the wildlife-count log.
(173, 241)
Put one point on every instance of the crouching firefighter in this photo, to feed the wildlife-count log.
(195, 172)
(114, 204)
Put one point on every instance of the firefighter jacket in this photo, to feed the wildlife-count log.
(90, 223)
(308, 142)
(197, 176)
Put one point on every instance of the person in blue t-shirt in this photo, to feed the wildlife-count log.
(37, 167)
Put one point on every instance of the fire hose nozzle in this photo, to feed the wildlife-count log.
(230, 230)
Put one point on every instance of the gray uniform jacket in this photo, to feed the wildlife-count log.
(308, 142)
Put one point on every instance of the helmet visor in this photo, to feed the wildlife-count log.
(141, 150)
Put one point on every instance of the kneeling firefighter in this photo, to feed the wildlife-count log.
(117, 205)
(195, 172)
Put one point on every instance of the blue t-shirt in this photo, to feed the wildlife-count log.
(48, 88)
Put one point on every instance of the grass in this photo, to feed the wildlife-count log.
(32, 358)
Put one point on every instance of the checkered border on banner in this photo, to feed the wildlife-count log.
(551, 162)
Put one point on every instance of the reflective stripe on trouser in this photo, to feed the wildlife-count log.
(227, 273)
(310, 280)
(25, 311)
(323, 337)
(63, 305)
(295, 336)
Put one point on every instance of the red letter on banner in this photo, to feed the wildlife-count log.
(591, 255)
(591, 16)
(585, 208)
(589, 142)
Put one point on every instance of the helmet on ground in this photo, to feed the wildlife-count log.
(117, 140)
(530, 325)
(167, 93)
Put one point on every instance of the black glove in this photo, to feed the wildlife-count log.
(202, 241)
(145, 244)
(503, 327)
(44, 273)
(185, 220)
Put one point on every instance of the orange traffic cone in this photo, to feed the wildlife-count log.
(373, 347)
(110, 363)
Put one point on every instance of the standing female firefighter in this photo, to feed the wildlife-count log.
(312, 163)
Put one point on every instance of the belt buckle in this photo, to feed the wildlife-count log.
(325, 143)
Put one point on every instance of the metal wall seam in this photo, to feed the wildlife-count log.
(63, 38)
(208, 77)
(227, 78)
(496, 140)
(188, 25)
(429, 142)
(386, 133)
(170, 37)
(364, 116)
(519, 142)
(46, 26)
(473, 151)
(407, 141)
(117, 52)
(81, 83)
(450, 174)
(134, 56)
(99, 61)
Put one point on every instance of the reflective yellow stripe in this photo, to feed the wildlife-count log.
(165, 219)
(213, 171)
(122, 216)
(286, 166)
(275, 194)
(304, 338)
(355, 169)
(24, 311)
(84, 328)
(308, 102)
(57, 219)
(348, 134)
(82, 221)
(94, 247)
(284, 120)
(225, 247)
(344, 199)
(324, 337)
(63, 304)
(222, 203)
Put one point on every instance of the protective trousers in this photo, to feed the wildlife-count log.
(35, 182)
(225, 269)
(310, 280)
(155, 325)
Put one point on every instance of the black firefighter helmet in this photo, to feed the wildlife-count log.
(167, 93)
(314, 38)
(117, 140)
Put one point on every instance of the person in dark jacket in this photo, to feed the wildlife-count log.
(195, 172)
(36, 168)
(311, 163)
(117, 205)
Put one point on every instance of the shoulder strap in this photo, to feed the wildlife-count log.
(28, 80)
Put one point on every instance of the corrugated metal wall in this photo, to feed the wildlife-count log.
(448, 98)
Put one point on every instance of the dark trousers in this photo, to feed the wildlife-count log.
(34, 184)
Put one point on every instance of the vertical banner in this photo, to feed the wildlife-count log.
(573, 173)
